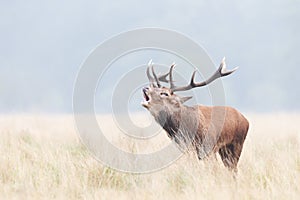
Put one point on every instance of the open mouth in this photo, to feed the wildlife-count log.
(146, 101)
(146, 97)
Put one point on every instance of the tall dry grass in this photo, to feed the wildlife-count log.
(41, 157)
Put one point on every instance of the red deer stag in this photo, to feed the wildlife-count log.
(207, 129)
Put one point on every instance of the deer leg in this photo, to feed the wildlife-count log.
(234, 151)
(229, 156)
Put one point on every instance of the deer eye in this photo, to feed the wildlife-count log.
(164, 94)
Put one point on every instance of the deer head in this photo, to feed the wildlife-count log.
(158, 97)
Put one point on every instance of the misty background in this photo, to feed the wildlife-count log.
(43, 44)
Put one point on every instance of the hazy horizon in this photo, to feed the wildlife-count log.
(43, 45)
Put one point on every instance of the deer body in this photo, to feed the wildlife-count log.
(207, 129)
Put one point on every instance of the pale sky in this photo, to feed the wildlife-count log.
(43, 44)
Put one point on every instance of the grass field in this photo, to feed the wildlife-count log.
(41, 157)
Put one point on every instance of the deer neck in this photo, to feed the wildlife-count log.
(177, 121)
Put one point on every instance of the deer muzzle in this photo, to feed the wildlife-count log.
(146, 101)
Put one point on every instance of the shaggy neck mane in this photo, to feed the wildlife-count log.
(181, 124)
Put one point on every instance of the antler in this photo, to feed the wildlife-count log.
(156, 78)
(172, 86)
(222, 71)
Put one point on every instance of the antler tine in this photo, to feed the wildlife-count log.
(171, 76)
(163, 77)
(222, 71)
(151, 79)
(155, 76)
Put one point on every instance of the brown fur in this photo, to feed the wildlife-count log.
(229, 128)
(208, 130)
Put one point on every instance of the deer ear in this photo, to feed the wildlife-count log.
(184, 99)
